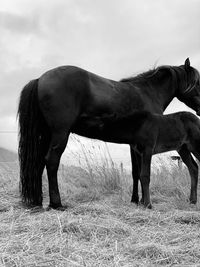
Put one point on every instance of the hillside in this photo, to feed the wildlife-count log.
(7, 155)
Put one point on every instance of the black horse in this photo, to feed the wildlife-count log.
(51, 106)
(151, 134)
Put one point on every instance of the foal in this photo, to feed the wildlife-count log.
(150, 134)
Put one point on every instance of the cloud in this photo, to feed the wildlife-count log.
(112, 38)
(127, 36)
(19, 24)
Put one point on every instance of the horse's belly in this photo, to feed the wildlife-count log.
(96, 134)
(161, 149)
(92, 128)
(165, 147)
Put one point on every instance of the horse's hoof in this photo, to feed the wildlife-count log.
(147, 206)
(142, 201)
(192, 201)
(135, 200)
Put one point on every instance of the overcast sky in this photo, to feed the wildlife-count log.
(113, 38)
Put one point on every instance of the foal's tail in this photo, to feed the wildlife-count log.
(32, 128)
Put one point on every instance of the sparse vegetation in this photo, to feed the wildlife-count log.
(101, 227)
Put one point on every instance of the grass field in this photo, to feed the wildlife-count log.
(101, 227)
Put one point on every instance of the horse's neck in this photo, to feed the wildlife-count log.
(162, 93)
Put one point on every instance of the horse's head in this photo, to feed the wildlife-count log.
(189, 86)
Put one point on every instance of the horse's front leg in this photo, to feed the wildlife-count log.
(136, 168)
(145, 176)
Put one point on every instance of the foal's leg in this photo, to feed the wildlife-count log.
(136, 167)
(193, 170)
(145, 177)
(56, 148)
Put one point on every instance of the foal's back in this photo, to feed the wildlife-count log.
(175, 130)
(192, 127)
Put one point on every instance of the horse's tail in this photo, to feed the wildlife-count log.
(31, 152)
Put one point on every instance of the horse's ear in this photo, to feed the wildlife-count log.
(187, 63)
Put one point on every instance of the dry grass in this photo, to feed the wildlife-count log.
(101, 227)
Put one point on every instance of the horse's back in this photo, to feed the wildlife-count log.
(188, 116)
(65, 79)
(188, 119)
(191, 123)
(70, 81)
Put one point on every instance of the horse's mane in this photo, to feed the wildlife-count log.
(142, 76)
(153, 73)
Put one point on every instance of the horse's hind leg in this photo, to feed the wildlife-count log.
(193, 170)
(56, 148)
(45, 141)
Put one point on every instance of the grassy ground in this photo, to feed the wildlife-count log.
(101, 227)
